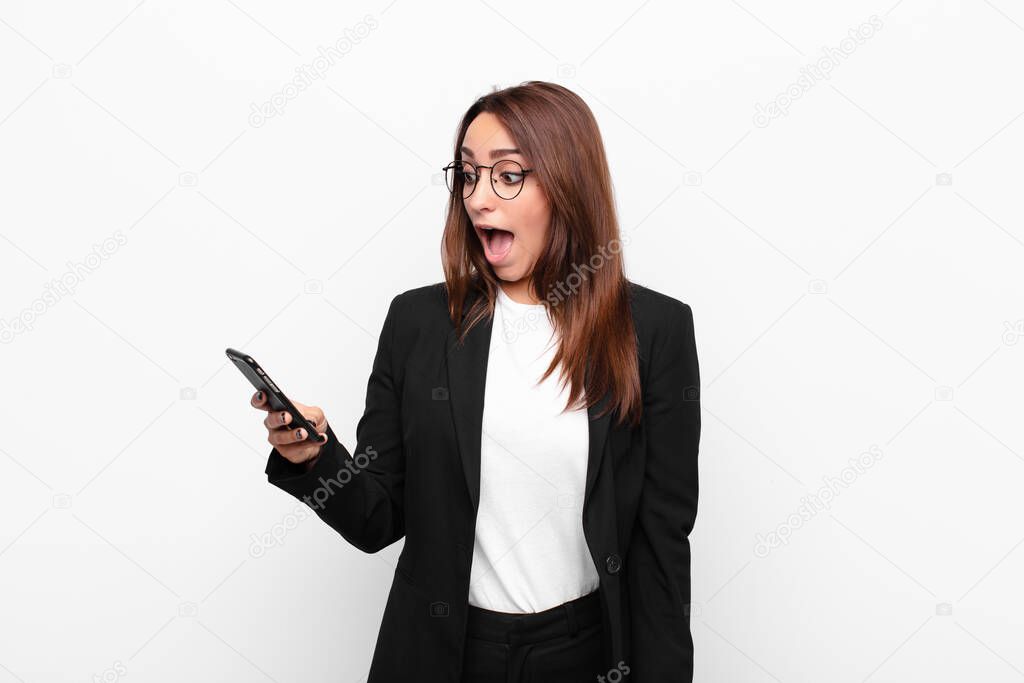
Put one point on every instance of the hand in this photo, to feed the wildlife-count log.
(292, 443)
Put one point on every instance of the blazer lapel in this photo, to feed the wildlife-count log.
(467, 372)
(598, 434)
(467, 375)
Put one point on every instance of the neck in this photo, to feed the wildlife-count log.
(519, 291)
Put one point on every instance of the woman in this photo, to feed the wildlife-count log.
(544, 541)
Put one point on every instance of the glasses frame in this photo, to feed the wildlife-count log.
(490, 174)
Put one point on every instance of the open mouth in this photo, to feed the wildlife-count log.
(497, 242)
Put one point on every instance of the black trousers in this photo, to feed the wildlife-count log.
(559, 645)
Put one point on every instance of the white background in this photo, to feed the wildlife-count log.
(854, 269)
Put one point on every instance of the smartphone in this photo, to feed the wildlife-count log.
(275, 397)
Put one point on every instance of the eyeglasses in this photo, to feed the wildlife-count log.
(507, 177)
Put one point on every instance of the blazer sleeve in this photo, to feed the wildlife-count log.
(360, 497)
(658, 561)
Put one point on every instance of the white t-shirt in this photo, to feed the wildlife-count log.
(530, 553)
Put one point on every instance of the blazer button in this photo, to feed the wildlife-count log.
(613, 563)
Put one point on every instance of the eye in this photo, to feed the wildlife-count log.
(511, 177)
(467, 176)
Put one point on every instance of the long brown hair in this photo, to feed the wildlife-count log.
(579, 276)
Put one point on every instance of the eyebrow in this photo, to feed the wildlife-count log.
(495, 153)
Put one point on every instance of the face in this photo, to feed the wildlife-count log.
(522, 222)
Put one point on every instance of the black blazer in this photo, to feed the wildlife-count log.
(416, 473)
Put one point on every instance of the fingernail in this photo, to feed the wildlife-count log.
(282, 417)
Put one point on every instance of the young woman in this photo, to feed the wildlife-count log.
(544, 540)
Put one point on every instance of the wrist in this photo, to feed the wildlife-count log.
(307, 465)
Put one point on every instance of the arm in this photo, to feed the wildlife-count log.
(658, 568)
(361, 498)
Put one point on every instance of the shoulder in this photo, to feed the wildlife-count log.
(421, 300)
(654, 310)
(651, 309)
(664, 329)
(426, 295)
(421, 303)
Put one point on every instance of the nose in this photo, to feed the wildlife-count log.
(483, 197)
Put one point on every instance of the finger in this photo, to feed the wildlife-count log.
(277, 419)
(317, 418)
(281, 437)
(319, 436)
(311, 413)
(259, 400)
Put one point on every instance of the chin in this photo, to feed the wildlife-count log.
(508, 273)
